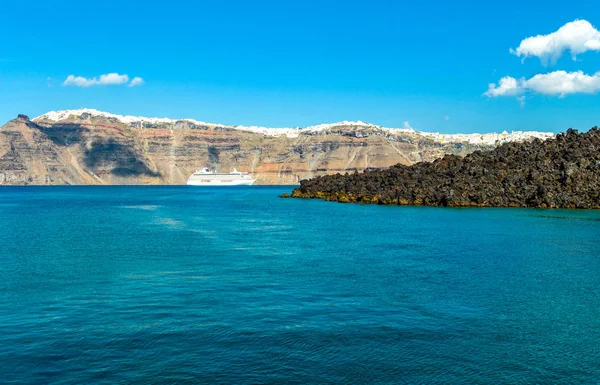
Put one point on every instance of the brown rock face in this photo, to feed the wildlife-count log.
(87, 149)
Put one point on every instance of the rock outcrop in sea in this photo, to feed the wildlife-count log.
(563, 172)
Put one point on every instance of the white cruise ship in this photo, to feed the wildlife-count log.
(205, 177)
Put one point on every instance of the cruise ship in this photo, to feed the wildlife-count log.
(205, 177)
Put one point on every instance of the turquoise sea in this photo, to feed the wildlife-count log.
(214, 285)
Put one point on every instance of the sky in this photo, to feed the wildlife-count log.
(424, 64)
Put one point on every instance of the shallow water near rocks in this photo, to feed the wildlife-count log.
(217, 285)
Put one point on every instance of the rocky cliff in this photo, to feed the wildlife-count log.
(563, 172)
(93, 147)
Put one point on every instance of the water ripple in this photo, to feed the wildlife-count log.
(179, 285)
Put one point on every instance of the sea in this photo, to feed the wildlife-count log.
(200, 285)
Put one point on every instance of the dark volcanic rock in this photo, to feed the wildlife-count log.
(563, 172)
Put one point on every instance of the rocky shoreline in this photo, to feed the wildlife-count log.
(563, 172)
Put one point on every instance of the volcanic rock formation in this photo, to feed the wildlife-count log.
(563, 172)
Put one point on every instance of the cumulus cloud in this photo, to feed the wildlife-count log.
(562, 83)
(112, 78)
(136, 81)
(577, 37)
(79, 81)
(521, 100)
(508, 86)
(557, 83)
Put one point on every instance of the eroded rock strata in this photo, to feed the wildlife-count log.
(93, 147)
(563, 172)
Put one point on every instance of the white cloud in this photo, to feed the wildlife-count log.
(562, 83)
(106, 79)
(113, 78)
(78, 81)
(508, 86)
(559, 83)
(521, 100)
(406, 125)
(577, 36)
(136, 81)
(446, 117)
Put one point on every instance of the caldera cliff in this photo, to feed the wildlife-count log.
(93, 147)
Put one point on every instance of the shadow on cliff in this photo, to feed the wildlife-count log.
(63, 135)
(213, 155)
(117, 158)
(121, 159)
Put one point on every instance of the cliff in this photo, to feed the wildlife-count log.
(93, 147)
(563, 172)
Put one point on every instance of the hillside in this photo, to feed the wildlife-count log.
(93, 147)
(563, 172)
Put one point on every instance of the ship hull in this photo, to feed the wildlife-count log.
(248, 182)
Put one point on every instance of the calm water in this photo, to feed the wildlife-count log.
(200, 285)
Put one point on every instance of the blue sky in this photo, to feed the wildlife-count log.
(284, 63)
